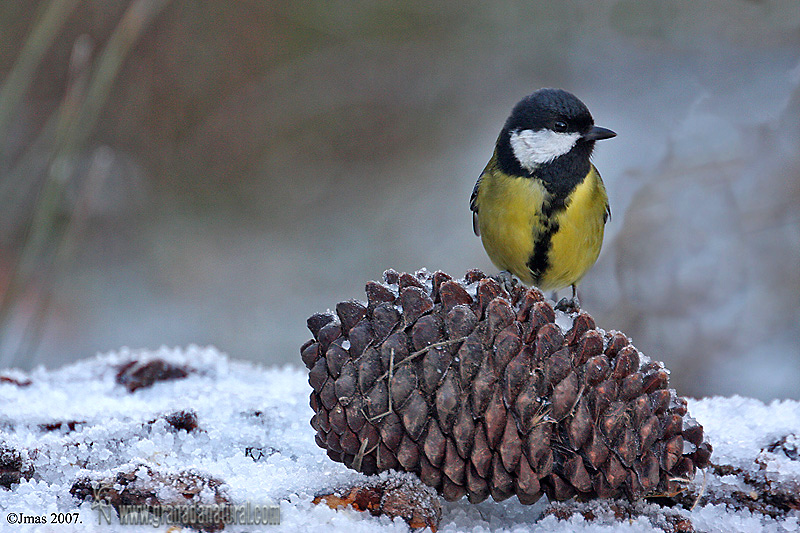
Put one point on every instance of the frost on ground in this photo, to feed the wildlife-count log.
(190, 425)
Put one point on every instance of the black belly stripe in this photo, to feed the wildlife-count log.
(539, 261)
(560, 178)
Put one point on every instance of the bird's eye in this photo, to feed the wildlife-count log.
(560, 126)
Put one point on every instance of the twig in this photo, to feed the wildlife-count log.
(363, 452)
(41, 225)
(360, 456)
(97, 174)
(388, 388)
(42, 35)
(390, 373)
(702, 490)
(425, 349)
(577, 400)
(71, 134)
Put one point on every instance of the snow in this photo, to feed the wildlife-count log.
(564, 321)
(254, 435)
(741, 439)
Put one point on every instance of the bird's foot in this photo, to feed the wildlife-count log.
(569, 305)
(506, 280)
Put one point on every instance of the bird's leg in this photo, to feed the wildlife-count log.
(571, 305)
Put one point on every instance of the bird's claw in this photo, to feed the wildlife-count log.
(569, 305)
(506, 280)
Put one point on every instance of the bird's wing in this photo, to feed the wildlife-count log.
(607, 212)
(474, 207)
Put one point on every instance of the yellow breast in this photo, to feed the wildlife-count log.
(509, 211)
(575, 246)
(510, 221)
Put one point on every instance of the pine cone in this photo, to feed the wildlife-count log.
(472, 385)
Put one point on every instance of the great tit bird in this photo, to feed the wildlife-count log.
(540, 206)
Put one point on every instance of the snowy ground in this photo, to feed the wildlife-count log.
(253, 434)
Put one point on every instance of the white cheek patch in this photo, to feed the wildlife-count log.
(534, 148)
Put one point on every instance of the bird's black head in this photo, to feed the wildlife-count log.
(552, 109)
(550, 133)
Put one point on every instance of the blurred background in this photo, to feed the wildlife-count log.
(215, 172)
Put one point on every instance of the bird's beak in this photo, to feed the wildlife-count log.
(597, 134)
